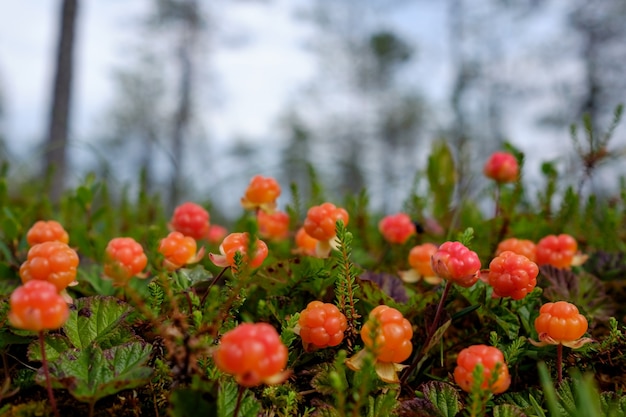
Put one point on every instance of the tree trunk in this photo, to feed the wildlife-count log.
(55, 153)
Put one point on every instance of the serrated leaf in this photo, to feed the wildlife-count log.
(94, 319)
(508, 410)
(416, 407)
(227, 401)
(507, 321)
(54, 344)
(92, 373)
(444, 398)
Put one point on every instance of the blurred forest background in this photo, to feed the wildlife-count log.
(376, 83)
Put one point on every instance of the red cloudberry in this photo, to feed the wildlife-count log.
(396, 228)
(520, 246)
(54, 262)
(501, 167)
(454, 262)
(262, 193)
(253, 354)
(191, 219)
(37, 306)
(124, 259)
(305, 244)
(46, 231)
(560, 323)
(558, 251)
(216, 233)
(239, 242)
(492, 361)
(387, 334)
(512, 275)
(178, 250)
(273, 225)
(321, 325)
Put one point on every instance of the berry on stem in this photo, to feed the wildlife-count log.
(454, 262)
(37, 306)
(321, 325)
(274, 226)
(512, 275)
(253, 354)
(396, 228)
(557, 250)
(421, 266)
(501, 167)
(46, 231)
(124, 259)
(239, 242)
(320, 224)
(561, 323)
(261, 194)
(53, 261)
(190, 219)
(495, 374)
(520, 246)
(216, 233)
(305, 244)
(179, 250)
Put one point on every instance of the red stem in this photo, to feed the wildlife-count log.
(46, 372)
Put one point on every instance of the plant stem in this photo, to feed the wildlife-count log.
(240, 392)
(215, 279)
(46, 372)
(559, 363)
(497, 199)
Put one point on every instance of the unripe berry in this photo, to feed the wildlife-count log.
(178, 250)
(321, 325)
(124, 259)
(37, 306)
(397, 228)
(53, 261)
(321, 220)
(491, 359)
(561, 322)
(274, 225)
(454, 262)
(46, 231)
(520, 246)
(387, 334)
(253, 354)
(512, 275)
(239, 242)
(262, 193)
(191, 219)
(558, 251)
(502, 167)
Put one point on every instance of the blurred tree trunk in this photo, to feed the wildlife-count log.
(55, 155)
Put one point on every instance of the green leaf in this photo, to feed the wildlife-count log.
(444, 397)
(507, 410)
(92, 373)
(55, 345)
(186, 402)
(227, 401)
(94, 319)
(441, 176)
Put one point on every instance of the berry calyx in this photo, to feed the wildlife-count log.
(558, 251)
(53, 261)
(124, 259)
(502, 167)
(520, 246)
(46, 231)
(561, 323)
(190, 219)
(261, 194)
(396, 228)
(495, 372)
(179, 250)
(512, 275)
(387, 334)
(253, 354)
(305, 244)
(274, 226)
(454, 262)
(321, 325)
(37, 306)
(239, 242)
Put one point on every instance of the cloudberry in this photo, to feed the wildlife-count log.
(178, 250)
(262, 193)
(253, 354)
(558, 251)
(560, 323)
(501, 167)
(46, 231)
(396, 228)
(305, 244)
(520, 246)
(387, 334)
(124, 259)
(216, 233)
(37, 306)
(321, 325)
(53, 261)
(512, 275)
(191, 219)
(420, 258)
(454, 262)
(320, 221)
(239, 242)
(492, 361)
(273, 225)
